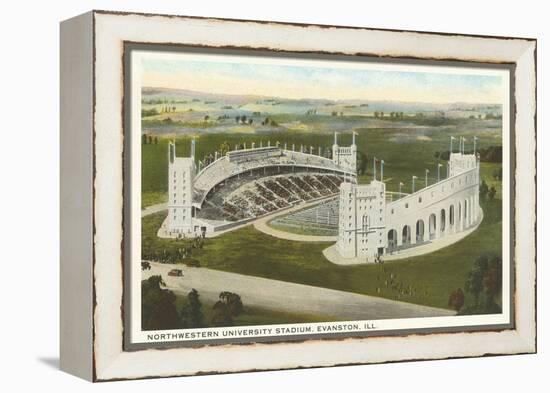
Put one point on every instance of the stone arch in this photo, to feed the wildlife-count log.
(466, 206)
(392, 240)
(459, 216)
(420, 231)
(472, 210)
(406, 236)
(432, 225)
(442, 221)
(451, 216)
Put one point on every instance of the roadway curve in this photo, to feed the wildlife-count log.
(289, 297)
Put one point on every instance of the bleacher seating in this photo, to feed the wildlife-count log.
(283, 161)
(256, 195)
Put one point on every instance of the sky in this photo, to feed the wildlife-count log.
(297, 79)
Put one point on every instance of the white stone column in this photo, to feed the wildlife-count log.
(469, 211)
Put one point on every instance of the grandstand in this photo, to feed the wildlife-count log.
(254, 196)
(245, 184)
(260, 161)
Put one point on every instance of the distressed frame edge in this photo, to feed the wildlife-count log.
(527, 338)
(76, 207)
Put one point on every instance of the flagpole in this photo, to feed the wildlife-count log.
(382, 170)
(374, 166)
(426, 183)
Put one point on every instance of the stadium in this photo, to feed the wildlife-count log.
(248, 183)
(309, 197)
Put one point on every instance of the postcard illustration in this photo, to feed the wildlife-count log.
(290, 197)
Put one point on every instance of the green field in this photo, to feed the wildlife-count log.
(302, 230)
(432, 276)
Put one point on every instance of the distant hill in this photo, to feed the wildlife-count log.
(320, 105)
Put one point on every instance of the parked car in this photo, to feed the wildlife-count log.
(145, 265)
(176, 273)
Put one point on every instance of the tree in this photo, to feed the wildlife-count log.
(237, 119)
(361, 163)
(149, 139)
(206, 118)
(492, 193)
(143, 139)
(156, 140)
(224, 148)
(158, 308)
(483, 188)
(474, 280)
(226, 308)
(492, 279)
(191, 315)
(456, 299)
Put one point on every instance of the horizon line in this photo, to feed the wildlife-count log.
(326, 99)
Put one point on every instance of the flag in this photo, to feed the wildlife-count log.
(452, 137)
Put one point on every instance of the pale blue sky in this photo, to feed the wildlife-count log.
(321, 81)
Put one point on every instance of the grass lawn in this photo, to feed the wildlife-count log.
(302, 230)
(432, 276)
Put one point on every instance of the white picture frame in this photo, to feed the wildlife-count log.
(92, 194)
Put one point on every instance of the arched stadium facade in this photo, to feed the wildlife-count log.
(372, 224)
(245, 184)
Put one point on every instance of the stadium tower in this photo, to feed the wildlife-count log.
(345, 157)
(181, 173)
